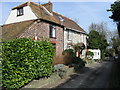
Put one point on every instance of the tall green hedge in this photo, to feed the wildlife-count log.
(25, 60)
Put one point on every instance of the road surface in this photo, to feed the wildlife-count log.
(95, 76)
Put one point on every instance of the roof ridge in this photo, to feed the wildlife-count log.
(36, 4)
(19, 5)
(26, 3)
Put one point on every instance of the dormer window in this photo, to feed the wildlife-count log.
(20, 11)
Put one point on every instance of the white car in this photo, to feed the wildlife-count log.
(116, 57)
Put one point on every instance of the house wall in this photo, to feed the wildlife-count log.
(41, 30)
(28, 15)
(76, 37)
(97, 53)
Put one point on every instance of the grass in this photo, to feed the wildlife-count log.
(114, 81)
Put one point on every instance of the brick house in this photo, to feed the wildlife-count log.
(31, 20)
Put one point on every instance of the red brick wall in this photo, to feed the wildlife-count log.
(59, 40)
(42, 31)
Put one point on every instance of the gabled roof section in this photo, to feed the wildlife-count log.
(21, 5)
(41, 12)
(10, 31)
(68, 22)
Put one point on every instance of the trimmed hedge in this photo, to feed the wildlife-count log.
(25, 60)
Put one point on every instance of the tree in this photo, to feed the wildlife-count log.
(115, 9)
(115, 43)
(93, 40)
(110, 52)
(96, 42)
(101, 28)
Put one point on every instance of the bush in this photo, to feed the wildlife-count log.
(78, 63)
(68, 56)
(25, 60)
(71, 59)
(68, 51)
(61, 70)
(90, 55)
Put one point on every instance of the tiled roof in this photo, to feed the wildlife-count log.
(11, 31)
(68, 22)
(41, 13)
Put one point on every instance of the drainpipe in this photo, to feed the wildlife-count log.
(64, 28)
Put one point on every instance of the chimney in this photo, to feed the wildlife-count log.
(48, 6)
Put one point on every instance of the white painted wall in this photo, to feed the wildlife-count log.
(28, 15)
(97, 53)
(65, 39)
(75, 38)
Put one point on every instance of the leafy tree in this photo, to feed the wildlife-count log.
(110, 52)
(101, 28)
(115, 9)
(115, 43)
(95, 41)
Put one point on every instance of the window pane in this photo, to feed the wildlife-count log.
(52, 31)
(20, 11)
(69, 35)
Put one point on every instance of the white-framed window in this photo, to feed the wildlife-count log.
(69, 35)
(52, 31)
(20, 11)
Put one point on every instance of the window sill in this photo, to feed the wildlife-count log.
(53, 37)
(19, 15)
(69, 39)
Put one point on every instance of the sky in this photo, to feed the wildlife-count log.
(84, 13)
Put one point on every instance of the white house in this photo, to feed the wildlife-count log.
(97, 53)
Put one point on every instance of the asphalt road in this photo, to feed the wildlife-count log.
(93, 76)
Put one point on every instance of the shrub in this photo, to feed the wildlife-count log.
(90, 55)
(78, 63)
(25, 60)
(61, 70)
(68, 51)
(68, 56)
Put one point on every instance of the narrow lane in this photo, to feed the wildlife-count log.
(95, 76)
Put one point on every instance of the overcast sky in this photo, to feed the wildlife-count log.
(84, 12)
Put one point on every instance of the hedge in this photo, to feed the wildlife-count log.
(25, 60)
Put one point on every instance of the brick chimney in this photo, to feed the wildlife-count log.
(48, 6)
